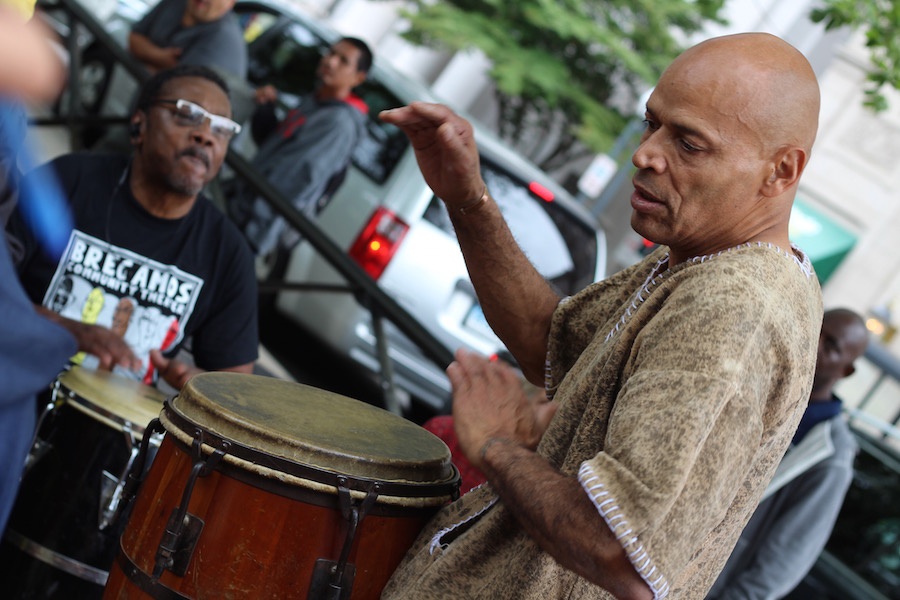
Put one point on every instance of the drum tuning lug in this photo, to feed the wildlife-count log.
(40, 447)
(334, 580)
(131, 437)
(183, 529)
(328, 584)
(344, 499)
(136, 474)
(112, 488)
(177, 546)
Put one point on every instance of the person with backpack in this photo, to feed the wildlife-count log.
(304, 153)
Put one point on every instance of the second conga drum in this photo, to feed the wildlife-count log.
(264, 488)
(63, 531)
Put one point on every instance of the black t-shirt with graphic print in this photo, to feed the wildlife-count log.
(158, 282)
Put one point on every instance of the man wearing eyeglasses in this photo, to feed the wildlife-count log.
(143, 231)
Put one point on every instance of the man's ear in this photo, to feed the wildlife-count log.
(136, 128)
(785, 171)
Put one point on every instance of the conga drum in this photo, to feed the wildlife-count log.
(264, 488)
(63, 531)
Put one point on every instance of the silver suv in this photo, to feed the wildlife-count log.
(391, 223)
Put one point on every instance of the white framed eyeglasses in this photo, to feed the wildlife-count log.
(189, 114)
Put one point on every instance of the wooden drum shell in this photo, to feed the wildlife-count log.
(255, 544)
(263, 528)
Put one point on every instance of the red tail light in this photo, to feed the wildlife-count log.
(540, 191)
(378, 241)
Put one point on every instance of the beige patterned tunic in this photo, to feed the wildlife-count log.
(679, 391)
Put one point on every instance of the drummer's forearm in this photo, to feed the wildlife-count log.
(557, 513)
(517, 301)
(50, 315)
(247, 368)
(76, 328)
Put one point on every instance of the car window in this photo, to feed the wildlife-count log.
(380, 149)
(254, 24)
(562, 247)
(530, 224)
(285, 54)
(866, 536)
(285, 57)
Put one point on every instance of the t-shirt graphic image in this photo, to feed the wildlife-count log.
(89, 313)
(146, 302)
(167, 342)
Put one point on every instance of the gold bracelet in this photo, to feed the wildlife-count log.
(473, 206)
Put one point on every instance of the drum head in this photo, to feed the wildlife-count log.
(314, 427)
(111, 398)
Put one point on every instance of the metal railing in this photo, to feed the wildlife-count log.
(76, 20)
(359, 284)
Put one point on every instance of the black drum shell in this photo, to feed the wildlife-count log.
(58, 503)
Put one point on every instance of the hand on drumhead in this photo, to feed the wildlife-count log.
(490, 403)
(175, 372)
(109, 348)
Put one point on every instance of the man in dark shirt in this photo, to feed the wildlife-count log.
(146, 239)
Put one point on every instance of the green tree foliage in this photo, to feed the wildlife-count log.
(570, 68)
(880, 21)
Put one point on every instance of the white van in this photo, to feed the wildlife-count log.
(384, 198)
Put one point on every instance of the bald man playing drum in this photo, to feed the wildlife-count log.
(676, 384)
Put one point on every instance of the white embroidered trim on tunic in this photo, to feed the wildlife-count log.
(611, 512)
(436, 540)
(654, 280)
(548, 374)
(606, 505)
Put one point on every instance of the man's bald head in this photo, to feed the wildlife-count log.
(843, 339)
(729, 129)
(759, 79)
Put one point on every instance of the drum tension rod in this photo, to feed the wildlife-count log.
(136, 475)
(183, 529)
(334, 580)
(39, 447)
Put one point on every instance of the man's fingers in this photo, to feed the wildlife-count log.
(471, 364)
(159, 361)
(456, 374)
(417, 115)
